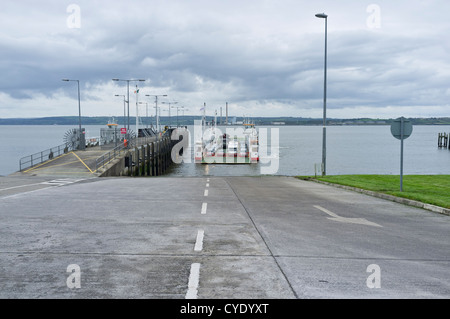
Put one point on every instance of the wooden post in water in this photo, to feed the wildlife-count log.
(136, 161)
(141, 160)
(152, 159)
(157, 164)
(443, 140)
(147, 159)
(166, 148)
(160, 158)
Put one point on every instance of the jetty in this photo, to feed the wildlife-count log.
(443, 140)
(140, 156)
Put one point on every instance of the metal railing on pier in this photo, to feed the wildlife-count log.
(109, 156)
(38, 158)
(48, 154)
(117, 151)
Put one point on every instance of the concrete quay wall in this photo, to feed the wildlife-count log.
(151, 159)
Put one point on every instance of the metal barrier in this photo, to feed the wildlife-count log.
(108, 157)
(115, 152)
(38, 158)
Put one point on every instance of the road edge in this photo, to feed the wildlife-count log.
(401, 200)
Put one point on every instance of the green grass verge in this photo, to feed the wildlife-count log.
(430, 189)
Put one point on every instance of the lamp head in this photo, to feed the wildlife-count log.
(321, 15)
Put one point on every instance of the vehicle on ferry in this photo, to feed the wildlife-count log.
(243, 150)
(232, 148)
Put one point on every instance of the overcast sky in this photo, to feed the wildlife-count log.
(264, 57)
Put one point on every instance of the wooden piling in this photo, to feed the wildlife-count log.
(147, 160)
(151, 159)
(443, 140)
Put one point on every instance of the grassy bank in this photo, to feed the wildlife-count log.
(430, 189)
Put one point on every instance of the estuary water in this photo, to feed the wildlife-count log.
(292, 150)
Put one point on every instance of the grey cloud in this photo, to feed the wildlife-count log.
(252, 55)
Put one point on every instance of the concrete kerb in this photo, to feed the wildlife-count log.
(401, 200)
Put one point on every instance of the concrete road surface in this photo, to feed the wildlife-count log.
(214, 238)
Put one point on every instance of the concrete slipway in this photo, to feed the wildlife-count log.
(251, 237)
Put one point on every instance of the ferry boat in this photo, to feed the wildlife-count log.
(218, 148)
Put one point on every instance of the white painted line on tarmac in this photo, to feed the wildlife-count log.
(61, 182)
(206, 192)
(9, 188)
(204, 207)
(207, 180)
(337, 218)
(23, 193)
(194, 278)
(56, 182)
(199, 241)
(207, 184)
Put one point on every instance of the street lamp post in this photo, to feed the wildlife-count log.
(179, 107)
(128, 97)
(82, 145)
(124, 115)
(170, 103)
(324, 138)
(156, 106)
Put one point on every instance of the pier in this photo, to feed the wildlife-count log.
(152, 158)
(443, 140)
(142, 156)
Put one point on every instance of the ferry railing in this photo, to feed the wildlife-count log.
(38, 158)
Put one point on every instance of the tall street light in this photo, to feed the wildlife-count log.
(324, 140)
(128, 97)
(82, 145)
(170, 103)
(124, 115)
(146, 113)
(178, 108)
(157, 116)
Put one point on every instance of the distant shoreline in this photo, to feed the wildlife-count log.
(189, 120)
